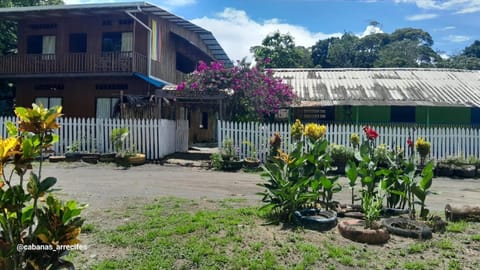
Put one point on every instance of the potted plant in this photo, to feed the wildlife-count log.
(73, 153)
(251, 161)
(298, 187)
(125, 156)
(368, 230)
(230, 159)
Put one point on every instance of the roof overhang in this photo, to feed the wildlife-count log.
(36, 12)
(151, 80)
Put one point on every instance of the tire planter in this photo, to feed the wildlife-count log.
(407, 228)
(138, 159)
(107, 157)
(355, 230)
(232, 165)
(251, 163)
(90, 158)
(73, 156)
(316, 219)
(390, 212)
(56, 158)
(350, 211)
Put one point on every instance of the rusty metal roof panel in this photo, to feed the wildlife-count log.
(384, 86)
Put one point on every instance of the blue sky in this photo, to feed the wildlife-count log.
(240, 24)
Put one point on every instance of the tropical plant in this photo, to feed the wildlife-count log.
(300, 178)
(372, 207)
(228, 150)
(119, 137)
(26, 219)
(422, 188)
(252, 151)
(256, 94)
(423, 148)
(217, 161)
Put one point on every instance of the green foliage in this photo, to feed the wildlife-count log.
(217, 161)
(118, 138)
(372, 207)
(281, 51)
(300, 178)
(457, 227)
(25, 218)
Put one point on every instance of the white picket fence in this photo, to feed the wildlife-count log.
(445, 141)
(155, 138)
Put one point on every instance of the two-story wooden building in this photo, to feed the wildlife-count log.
(84, 57)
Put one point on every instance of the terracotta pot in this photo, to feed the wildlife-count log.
(355, 230)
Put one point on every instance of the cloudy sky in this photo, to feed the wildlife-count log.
(240, 24)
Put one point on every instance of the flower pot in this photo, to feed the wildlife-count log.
(232, 165)
(251, 163)
(316, 219)
(355, 230)
(407, 228)
(138, 159)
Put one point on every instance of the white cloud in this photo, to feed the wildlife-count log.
(421, 17)
(457, 38)
(237, 32)
(371, 29)
(446, 28)
(458, 6)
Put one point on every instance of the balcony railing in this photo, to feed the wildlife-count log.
(115, 62)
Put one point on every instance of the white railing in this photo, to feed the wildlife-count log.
(445, 141)
(155, 138)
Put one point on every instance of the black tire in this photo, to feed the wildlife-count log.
(418, 230)
(389, 212)
(316, 219)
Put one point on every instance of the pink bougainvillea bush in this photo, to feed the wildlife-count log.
(255, 93)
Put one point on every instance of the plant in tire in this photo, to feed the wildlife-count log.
(300, 178)
(30, 216)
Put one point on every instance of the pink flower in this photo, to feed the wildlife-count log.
(267, 60)
(181, 86)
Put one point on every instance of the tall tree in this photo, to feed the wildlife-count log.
(368, 48)
(320, 52)
(281, 52)
(413, 34)
(472, 50)
(341, 52)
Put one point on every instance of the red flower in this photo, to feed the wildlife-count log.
(371, 134)
(410, 142)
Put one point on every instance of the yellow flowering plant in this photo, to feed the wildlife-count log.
(300, 178)
(28, 218)
(423, 148)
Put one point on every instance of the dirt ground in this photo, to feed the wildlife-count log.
(105, 186)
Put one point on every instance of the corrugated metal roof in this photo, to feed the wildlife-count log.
(384, 86)
(18, 13)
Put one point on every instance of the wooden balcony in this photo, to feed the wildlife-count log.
(74, 63)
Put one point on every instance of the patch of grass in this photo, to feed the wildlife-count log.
(445, 244)
(457, 227)
(88, 228)
(475, 237)
(454, 265)
(341, 254)
(418, 247)
(175, 233)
